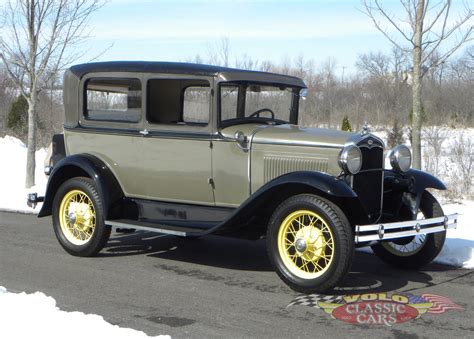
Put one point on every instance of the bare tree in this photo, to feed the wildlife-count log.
(469, 58)
(463, 156)
(426, 28)
(219, 52)
(38, 39)
(435, 136)
(246, 62)
(373, 64)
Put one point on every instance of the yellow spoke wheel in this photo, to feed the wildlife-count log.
(77, 217)
(306, 244)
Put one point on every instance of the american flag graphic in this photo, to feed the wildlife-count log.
(415, 299)
(440, 304)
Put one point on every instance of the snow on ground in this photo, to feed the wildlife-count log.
(12, 175)
(458, 250)
(36, 315)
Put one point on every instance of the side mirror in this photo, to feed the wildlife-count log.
(303, 93)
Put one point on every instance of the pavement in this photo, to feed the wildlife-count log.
(213, 287)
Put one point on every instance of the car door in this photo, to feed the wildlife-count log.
(230, 160)
(110, 121)
(176, 143)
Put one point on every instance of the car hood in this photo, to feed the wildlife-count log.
(304, 136)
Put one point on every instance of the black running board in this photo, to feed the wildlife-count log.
(180, 231)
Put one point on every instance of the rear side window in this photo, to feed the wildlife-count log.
(196, 104)
(178, 101)
(113, 99)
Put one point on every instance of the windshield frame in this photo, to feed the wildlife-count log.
(242, 85)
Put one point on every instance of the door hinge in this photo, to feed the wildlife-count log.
(210, 181)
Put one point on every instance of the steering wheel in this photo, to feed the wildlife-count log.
(257, 113)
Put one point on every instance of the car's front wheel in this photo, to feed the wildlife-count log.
(78, 218)
(310, 243)
(415, 251)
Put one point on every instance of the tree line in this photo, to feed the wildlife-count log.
(379, 92)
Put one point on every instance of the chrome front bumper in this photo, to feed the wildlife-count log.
(394, 230)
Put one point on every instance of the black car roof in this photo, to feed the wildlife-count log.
(164, 67)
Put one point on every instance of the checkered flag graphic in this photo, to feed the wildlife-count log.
(312, 300)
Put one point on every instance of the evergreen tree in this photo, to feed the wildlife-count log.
(346, 125)
(17, 118)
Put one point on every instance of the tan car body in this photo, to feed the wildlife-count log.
(190, 162)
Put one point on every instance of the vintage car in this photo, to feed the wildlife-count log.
(191, 150)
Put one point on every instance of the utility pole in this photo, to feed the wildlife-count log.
(342, 78)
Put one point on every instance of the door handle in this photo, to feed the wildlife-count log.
(144, 132)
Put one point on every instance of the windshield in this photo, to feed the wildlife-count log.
(252, 102)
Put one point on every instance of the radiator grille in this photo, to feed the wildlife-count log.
(274, 166)
(368, 182)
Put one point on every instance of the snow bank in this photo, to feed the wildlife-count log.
(458, 249)
(13, 173)
(36, 315)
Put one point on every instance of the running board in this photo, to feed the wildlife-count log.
(180, 231)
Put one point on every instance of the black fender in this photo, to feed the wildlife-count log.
(413, 181)
(82, 165)
(326, 184)
(408, 188)
(270, 195)
(424, 180)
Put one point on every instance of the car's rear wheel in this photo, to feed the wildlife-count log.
(78, 218)
(310, 243)
(416, 251)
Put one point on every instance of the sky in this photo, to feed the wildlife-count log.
(274, 30)
(261, 29)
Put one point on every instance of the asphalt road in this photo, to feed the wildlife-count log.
(210, 287)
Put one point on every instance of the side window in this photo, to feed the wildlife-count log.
(108, 99)
(196, 105)
(178, 101)
(229, 98)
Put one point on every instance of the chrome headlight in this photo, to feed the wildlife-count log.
(350, 159)
(400, 158)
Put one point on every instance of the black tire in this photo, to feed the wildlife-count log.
(96, 238)
(429, 247)
(341, 253)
